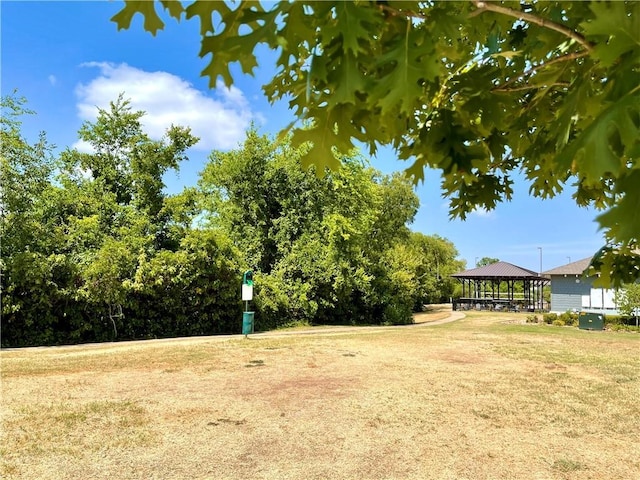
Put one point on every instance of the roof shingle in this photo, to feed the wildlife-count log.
(573, 268)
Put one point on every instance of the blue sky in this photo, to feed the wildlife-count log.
(67, 58)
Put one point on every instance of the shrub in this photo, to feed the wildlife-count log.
(397, 314)
(614, 320)
(532, 319)
(569, 318)
(620, 322)
(616, 327)
(549, 317)
(558, 322)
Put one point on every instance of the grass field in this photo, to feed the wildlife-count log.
(486, 397)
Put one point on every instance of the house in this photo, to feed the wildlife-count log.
(572, 290)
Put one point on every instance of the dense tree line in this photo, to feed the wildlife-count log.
(94, 249)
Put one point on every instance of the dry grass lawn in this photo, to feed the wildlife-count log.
(486, 397)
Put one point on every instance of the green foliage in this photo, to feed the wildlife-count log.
(95, 250)
(26, 171)
(533, 319)
(617, 264)
(549, 318)
(484, 261)
(623, 327)
(437, 261)
(475, 89)
(295, 325)
(614, 320)
(330, 249)
(37, 307)
(623, 323)
(190, 291)
(100, 252)
(568, 318)
(36, 300)
(628, 300)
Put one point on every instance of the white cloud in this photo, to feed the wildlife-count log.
(483, 213)
(52, 79)
(82, 146)
(219, 122)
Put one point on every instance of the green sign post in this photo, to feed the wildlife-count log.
(247, 296)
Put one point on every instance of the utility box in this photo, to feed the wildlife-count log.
(247, 323)
(590, 321)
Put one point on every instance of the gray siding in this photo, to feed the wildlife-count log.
(566, 294)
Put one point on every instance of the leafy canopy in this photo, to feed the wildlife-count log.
(323, 249)
(94, 249)
(476, 89)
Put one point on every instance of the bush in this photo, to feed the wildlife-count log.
(532, 319)
(620, 322)
(548, 318)
(558, 322)
(616, 327)
(397, 314)
(615, 320)
(569, 318)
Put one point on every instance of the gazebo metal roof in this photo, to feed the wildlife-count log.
(499, 270)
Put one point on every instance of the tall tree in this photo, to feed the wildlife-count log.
(122, 178)
(26, 171)
(125, 167)
(94, 249)
(438, 261)
(34, 276)
(476, 89)
(318, 244)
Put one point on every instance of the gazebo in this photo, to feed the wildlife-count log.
(481, 288)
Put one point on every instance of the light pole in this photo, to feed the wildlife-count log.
(540, 248)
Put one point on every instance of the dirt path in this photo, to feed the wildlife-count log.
(420, 320)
